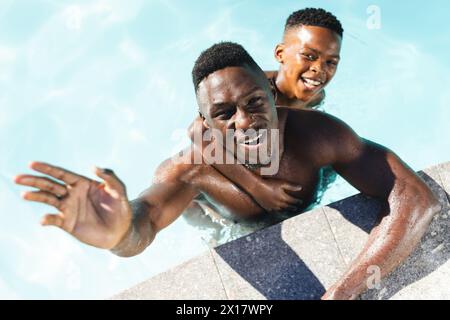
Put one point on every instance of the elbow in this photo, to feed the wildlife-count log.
(421, 197)
(432, 205)
(427, 208)
(414, 206)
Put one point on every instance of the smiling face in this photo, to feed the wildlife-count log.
(308, 58)
(239, 99)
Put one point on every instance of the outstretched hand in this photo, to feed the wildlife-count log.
(96, 213)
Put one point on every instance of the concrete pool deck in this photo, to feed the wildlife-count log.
(302, 256)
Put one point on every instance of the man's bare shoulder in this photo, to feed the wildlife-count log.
(325, 135)
(317, 123)
(181, 168)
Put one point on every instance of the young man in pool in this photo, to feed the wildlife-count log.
(308, 57)
(234, 94)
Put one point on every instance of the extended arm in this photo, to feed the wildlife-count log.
(158, 206)
(411, 205)
(99, 214)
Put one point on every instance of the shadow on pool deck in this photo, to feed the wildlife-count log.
(272, 267)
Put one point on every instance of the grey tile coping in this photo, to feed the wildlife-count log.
(196, 279)
(302, 256)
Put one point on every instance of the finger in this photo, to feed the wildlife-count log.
(292, 208)
(112, 182)
(292, 187)
(42, 183)
(53, 220)
(55, 172)
(43, 197)
(291, 200)
(276, 209)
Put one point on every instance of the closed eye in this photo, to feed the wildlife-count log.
(225, 114)
(254, 101)
(333, 63)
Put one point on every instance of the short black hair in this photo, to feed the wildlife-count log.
(314, 17)
(219, 56)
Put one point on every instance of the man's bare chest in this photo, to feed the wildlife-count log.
(301, 172)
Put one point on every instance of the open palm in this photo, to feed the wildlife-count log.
(95, 213)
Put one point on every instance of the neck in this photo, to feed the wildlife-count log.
(286, 99)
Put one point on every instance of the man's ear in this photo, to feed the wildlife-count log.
(279, 52)
(273, 90)
(205, 123)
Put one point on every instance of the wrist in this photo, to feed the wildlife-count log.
(252, 188)
(339, 292)
(140, 232)
(349, 288)
(123, 244)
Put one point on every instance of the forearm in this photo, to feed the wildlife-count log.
(140, 233)
(235, 172)
(392, 241)
(241, 176)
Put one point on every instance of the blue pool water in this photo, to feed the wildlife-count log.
(107, 83)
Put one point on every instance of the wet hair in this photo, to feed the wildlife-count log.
(220, 56)
(314, 17)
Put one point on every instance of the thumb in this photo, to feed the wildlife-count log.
(56, 220)
(112, 182)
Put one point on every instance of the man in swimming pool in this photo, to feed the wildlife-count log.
(234, 94)
(308, 56)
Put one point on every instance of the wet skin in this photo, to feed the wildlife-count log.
(306, 52)
(100, 214)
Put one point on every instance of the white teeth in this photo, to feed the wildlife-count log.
(253, 139)
(312, 82)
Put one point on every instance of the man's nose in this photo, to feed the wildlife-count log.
(242, 120)
(318, 66)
